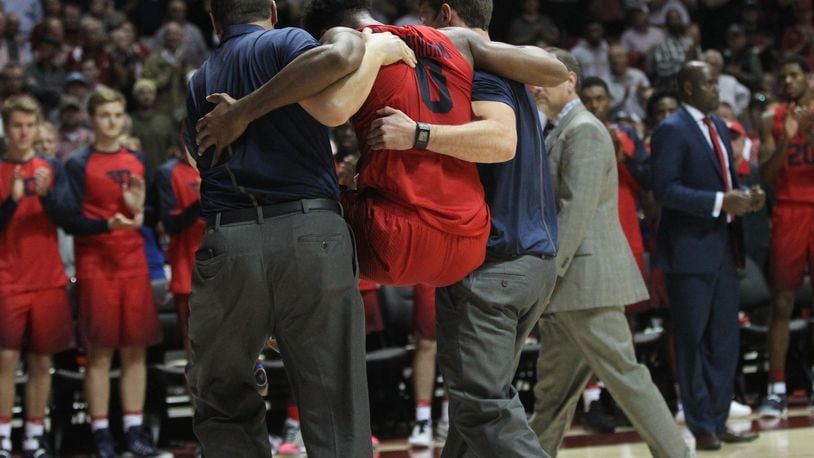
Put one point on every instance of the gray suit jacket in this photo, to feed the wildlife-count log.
(595, 265)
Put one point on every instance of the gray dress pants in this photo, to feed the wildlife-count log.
(482, 323)
(292, 276)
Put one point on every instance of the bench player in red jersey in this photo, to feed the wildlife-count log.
(178, 185)
(419, 217)
(787, 162)
(33, 298)
(116, 305)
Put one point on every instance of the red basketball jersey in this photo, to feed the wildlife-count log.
(795, 182)
(186, 182)
(29, 251)
(445, 192)
(119, 253)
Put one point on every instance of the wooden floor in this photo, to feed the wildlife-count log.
(789, 438)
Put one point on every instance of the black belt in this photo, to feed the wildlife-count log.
(270, 211)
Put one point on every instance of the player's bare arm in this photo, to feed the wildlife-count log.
(490, 138)
(773, 154)
(340, 53)
(337, 103)
(526, 64)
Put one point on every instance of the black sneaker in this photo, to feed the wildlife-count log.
(597, 419)
(42, 450)
(139, 445)
(104, 443)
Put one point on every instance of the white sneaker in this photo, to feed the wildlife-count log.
(738, 410)
(680, 414)
(292, 438)
(422, 434)
(442, 430)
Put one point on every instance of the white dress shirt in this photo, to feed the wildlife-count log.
(699, 120)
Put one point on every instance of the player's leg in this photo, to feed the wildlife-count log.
(423, 363)
(8, 366)
(37, 393)
(13, 321)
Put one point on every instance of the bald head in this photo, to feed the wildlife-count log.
(697, 86)
(715, 61)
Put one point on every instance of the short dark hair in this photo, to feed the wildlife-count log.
(570, 62)
(321, 15)
(476, 13)
(592, 81)
(232, 12)
(795, 59)
(654, 99)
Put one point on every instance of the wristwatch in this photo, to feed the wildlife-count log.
(422, 135)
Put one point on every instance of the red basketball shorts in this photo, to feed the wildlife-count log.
(44, 315)
(792, 244)
(118, 312)
(395, 247)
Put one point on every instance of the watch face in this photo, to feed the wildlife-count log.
(423, 136)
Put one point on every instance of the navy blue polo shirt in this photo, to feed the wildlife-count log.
(519, 192)
(283, 156)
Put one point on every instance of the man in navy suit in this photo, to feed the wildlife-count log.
(699, 246)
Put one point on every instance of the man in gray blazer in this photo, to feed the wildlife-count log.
(584, 329)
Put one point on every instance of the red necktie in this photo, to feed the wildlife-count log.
(719, 151)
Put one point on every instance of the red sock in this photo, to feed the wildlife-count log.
(293, 411)
(33, 420)
(423, 404)
(777, 375)
(5, 420)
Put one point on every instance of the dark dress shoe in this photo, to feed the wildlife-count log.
(707, 441)
(732, 437)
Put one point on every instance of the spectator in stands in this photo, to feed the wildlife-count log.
(7, 50)
(105, 12)
(51, 27)
(71, 20)
(76, 85)
(741, 61)
(628, 87)
(798, 38)
(128, 56)
(641, 36)
(194, 50)
(47, 142)
(730, 91)
(156, 130)
(660, 9)
(36, 315)
(667, 57)
(94, 46)
(44, 76)
(72, 133)
(11, 81)
(167, 67)
(531, 27)
(591, 51)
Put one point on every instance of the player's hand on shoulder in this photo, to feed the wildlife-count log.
(220, 127)
(42, 179)
(388, 47)
(392, 130)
